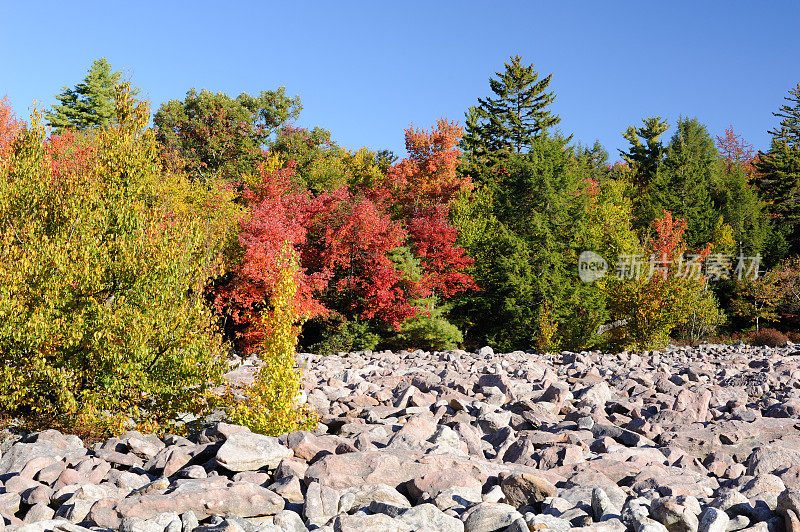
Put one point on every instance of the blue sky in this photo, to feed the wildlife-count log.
(367, 70)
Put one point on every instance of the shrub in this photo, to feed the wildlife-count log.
(429, 328)
(103, 258)
(547, 327)
(769, 338)
(704, 319)
(655, 306)
(270, 404)
(334, 333)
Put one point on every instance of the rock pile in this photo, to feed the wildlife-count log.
(684, 439)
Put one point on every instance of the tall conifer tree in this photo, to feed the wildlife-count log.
(778, 178)
(684, 182)
(646, 151)
(516, 116)
(90, 103)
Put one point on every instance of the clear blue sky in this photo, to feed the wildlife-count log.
(366, 70)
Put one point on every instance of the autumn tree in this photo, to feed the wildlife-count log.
(90, 103)
(323, 165)
(736, 152)
(370, 251)
(103, 259)
(428, 176)
(318, 161)
(10, 127)
(269, 404)
(670, 292)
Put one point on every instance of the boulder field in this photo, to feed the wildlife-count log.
(684, 439)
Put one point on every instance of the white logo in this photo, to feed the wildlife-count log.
(591, 266)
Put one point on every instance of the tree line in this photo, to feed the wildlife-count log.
(141, 254)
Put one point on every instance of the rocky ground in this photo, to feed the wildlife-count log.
(689, 439)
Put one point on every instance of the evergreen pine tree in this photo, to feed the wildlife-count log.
(473, 142)
(743, 210)
(90, 103)
(644, 157)
(517, 115)
(523, 230)
(683, 183)
(593, 162)
(778, 178)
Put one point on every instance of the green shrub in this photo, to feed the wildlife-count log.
(429, 329)
(338, 334)
(103, 260)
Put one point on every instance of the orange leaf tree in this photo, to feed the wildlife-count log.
(671, 292)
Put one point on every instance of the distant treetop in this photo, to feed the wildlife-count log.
(90, 103)
(518, 114)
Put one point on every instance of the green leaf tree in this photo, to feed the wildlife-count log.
(90, 103)
(214, 134)
(319, 162)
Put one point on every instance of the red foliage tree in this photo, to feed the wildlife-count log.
(68, 153)
(668, 246)
(9, 128)
(344, 240)
(434, 240)
(274, 228)
(736, 151)
(669, 234)
(356, 253)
